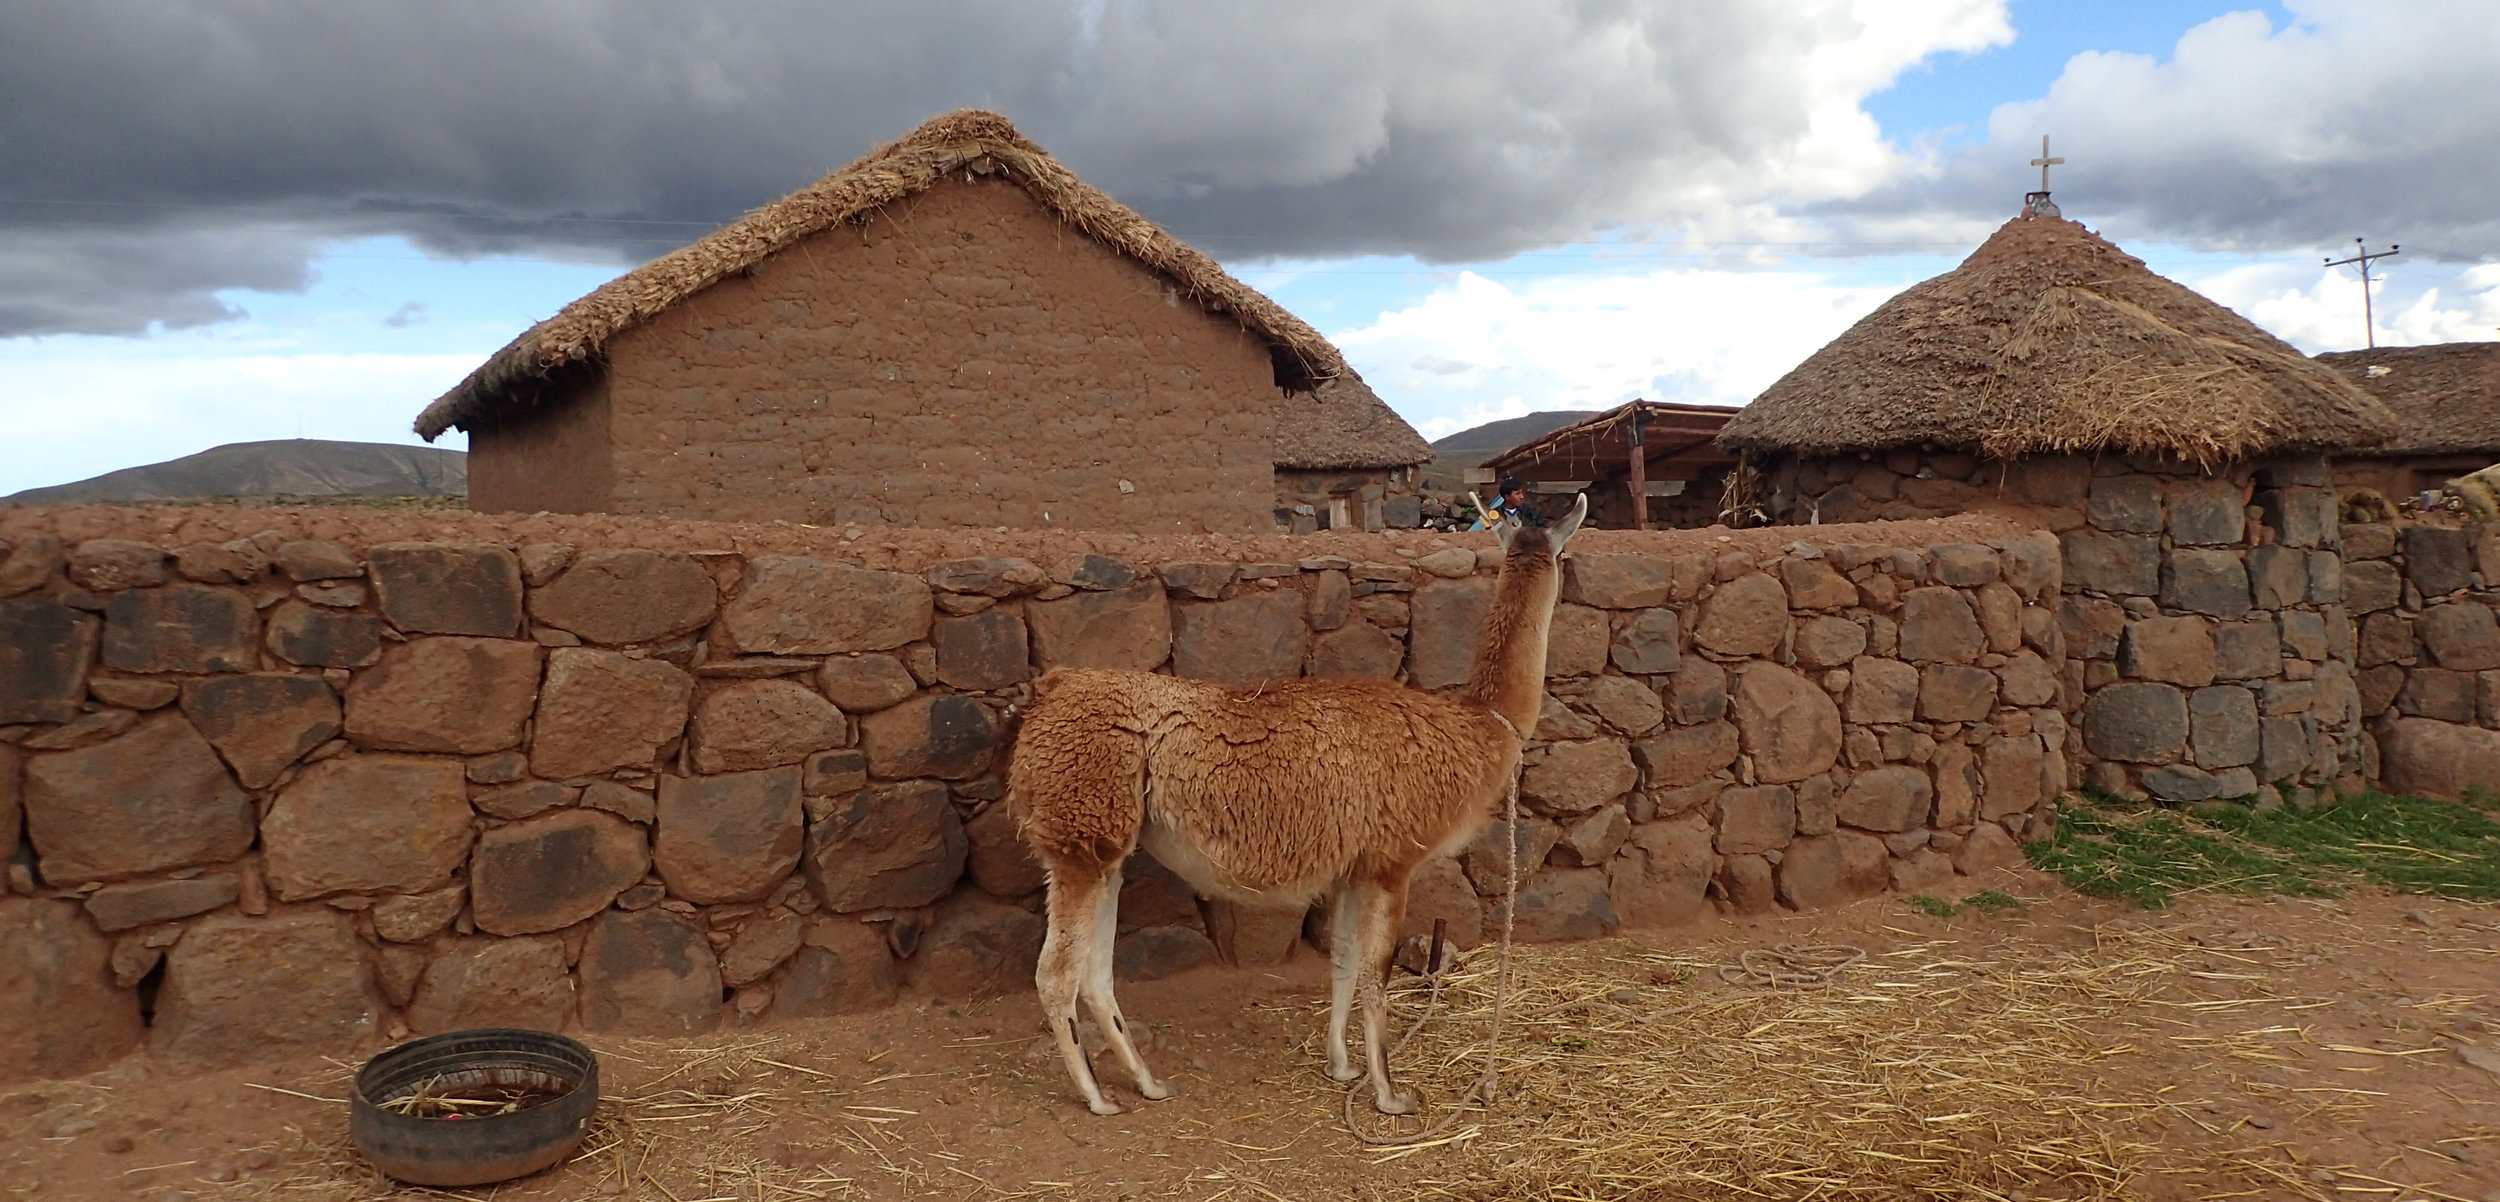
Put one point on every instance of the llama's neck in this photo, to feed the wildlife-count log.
(1510, 659)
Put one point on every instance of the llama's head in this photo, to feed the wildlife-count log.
(1526, 546)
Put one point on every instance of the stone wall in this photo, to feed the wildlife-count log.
(2428, 653)
(271, 795)
(1896, 485)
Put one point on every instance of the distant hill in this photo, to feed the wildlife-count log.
(1467, 448)
(294, 467)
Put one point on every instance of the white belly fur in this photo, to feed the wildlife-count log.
(1190, 863)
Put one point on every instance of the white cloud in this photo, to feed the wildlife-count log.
(2320, 310)
(1701, 337)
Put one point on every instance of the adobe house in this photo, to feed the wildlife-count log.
(2179, 450)
(2446, 399)
(951, 331)
(1345, 460)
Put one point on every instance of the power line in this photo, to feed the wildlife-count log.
(2369, 324)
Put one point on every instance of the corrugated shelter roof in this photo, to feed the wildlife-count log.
(2446, 397)
(966, 140)
(2049, 339)
(1593, 448)
(1345, 427)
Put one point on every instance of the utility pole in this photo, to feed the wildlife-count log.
(2369, 325)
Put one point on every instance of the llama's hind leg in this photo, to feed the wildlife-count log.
(1382, 911)
(1067, 955)
(1344, 934)
(1106, 1008)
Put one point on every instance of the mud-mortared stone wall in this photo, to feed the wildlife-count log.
(270, 795)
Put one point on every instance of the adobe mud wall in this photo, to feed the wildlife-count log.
(965, 359)
(276, 793)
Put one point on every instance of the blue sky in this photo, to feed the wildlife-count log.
(1707, 309)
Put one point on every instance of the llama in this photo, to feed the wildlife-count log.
(1273, 797)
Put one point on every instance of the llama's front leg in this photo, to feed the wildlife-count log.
(1067, 952)
(1383, 911)
(1106, 1007)
(1344, 934)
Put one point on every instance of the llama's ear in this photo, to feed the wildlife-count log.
(1504, 529)
(1570, 523)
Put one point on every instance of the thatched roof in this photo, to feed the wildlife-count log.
(2050, 339)
(1593, 448)
(966, 140)
(2446, 397)
(1345, 426)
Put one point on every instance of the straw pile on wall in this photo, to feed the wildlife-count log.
(2446, 397)
(2049, 339)
(967, 140)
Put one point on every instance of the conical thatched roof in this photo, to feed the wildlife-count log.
(2049, 339)
(2446, 397)
(1345, 427)
(966, 140)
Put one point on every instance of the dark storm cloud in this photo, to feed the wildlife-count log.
(159, 150)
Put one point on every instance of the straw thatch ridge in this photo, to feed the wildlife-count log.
(2446, 397)
(966, 140)
(1345, 427)
(2049, 339)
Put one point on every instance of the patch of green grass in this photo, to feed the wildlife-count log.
(2150, 854)
(1936, 906)
(1987, 901)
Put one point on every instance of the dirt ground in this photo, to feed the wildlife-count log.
(897, 548)
(2223, 1048)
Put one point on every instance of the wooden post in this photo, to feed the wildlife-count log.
(1639, 481)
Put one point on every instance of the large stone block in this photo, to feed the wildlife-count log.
(1745, 616)
(2439, 560)
(762, 944)
(1580, 776)
(106, 564)
(2249, 650)
(1882, 690)
(2127, 504)
(1963, 565)
(987, 576)
(60, 1013)
(2282, 749)
(1686, 755)
(2091, 626)
(2027, 680)
(1626, 704)
(2176, 650)
(549, 872)
(2000, 610)
(1662, 875)
(494, 983)
(1697, 692)
(976, 947)
(841, 967)
(2301, 517)
(889, 845)
(1812, 584)
(944, 736)
(2278, 576)
(628, 596)
(448, 588)
(1786, 723)
(728, 838)
(2222, 726)
(459, 695)
(262, 722)
(2139, 722)
(123, 907)
(758, 724)
(2121, 565)
(1487, 860)
(794, 605)
(1650, 643)
(1357, 649)
(1897, 798)
(181, 628)
(986, 650)
(1756, 819)
(1127, 627)
(1956, 693)
(601, 710)
(2372, 585)
(417, 917)
(2385, 639)
(1829, 870)
(1616, 581)
(1154, 953)
(1575, 642)
(2205, 582)
(2461, 635)
(863, 684)
(1563, 905)
(2438, 693)
(2439, 759)
(996, 858)
(314, 636)
(367, 823)
(45, 651)
(2013, 772)
(2206, 512)
(650, 972)
(1255, 637)
(149, 800)
(239, 990)
(1828, 642)
(2180, 783)
(2032, 564)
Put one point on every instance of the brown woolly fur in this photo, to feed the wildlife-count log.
(2049, 339)
(1345, 427)
(2446, 398)
(968, 140)
(1271, 796)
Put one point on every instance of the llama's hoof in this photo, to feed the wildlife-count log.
(1400, 1102)
(1159, 1091)
(1344, 1074)
(1106, 1108)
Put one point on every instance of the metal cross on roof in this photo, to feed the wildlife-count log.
(2044, 162)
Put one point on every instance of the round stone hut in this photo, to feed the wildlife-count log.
(2179, 452)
